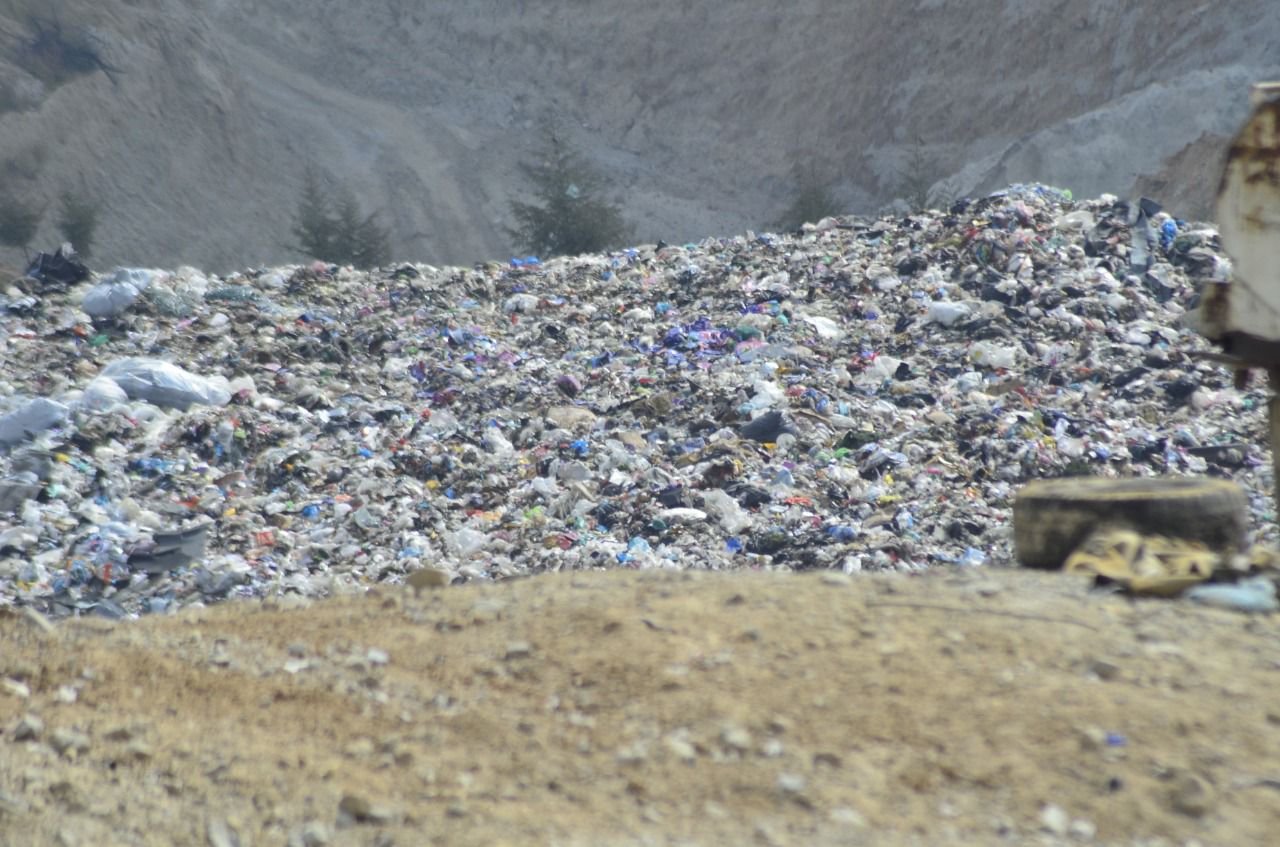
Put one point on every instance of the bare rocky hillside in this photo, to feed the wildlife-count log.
(193, 122)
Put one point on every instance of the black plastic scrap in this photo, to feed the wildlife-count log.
(767, 427)
(171, 550)
(58, 271)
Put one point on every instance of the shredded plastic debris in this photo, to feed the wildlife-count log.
(861, 395)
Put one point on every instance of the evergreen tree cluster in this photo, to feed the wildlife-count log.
(811, 199)
(331, 226)
(570, 215)
(77, 220)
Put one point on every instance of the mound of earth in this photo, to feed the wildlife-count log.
(967, 707)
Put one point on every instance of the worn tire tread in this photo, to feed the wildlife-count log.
(1051, 517)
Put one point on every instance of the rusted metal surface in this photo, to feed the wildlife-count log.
(1244, 315)
(1273, 410)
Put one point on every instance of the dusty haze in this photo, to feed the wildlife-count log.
(698, 111)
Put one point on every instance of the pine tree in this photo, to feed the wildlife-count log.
(373, 243)
(19, 221)
(916, 180)
(570, 215)
(78, 220)
(812, 200)
(330, 226)
(313, 225)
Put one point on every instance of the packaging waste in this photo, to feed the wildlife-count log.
(866, 395)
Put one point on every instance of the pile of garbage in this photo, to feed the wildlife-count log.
(860, 395)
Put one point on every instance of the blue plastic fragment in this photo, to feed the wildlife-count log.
(842, 533)
(1257, 595)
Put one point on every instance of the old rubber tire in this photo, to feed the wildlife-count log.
(1052, 516)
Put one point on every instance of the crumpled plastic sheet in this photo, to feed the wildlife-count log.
(166, 384)
(865, 394)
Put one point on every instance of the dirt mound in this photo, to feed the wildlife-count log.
(649, 708)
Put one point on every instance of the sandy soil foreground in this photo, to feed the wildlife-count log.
(990, 706)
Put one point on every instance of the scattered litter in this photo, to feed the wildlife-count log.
(1257, 595)
(116, 292)
(166, 384)
(58, 270)
(32, 418)
(864, 396)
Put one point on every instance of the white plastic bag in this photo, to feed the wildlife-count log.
(827, 329)
(992, 355)
(36, 416)
(117, 291)
(947, 312)
(102, 394)
(465, 542)
(165, 384)
(732, 516)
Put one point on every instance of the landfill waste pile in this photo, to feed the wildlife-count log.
(861, 395)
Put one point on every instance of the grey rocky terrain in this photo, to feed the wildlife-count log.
(698, 112)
